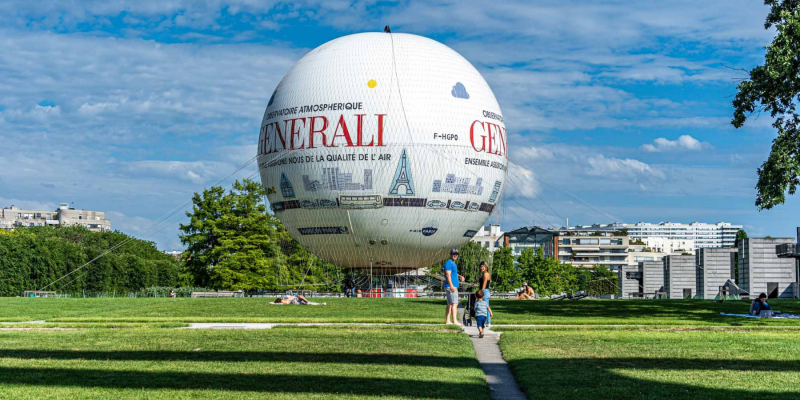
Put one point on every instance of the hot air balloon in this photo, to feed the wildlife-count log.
(383, 150)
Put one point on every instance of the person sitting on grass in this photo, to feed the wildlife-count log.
(526, 293)
(296, 300)
(760, 304)
(482, 312)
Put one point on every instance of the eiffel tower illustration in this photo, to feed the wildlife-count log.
(402, 185)
(287, 190)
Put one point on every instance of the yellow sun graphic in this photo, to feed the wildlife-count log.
(371, 83)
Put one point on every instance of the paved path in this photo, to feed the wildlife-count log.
(498, 375)
(502, 385)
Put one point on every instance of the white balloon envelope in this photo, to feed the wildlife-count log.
(383, 150)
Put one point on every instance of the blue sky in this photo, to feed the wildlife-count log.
(130, 107)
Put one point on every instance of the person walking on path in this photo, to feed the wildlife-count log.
(482, 312)
(483, 286)
(451, 277)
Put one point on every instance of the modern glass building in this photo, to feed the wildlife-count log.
(532, 237)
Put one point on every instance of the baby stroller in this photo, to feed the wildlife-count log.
(469, 310)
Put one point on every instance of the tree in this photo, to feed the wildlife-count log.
(740, 234)
(470, 256)
(234, 243)
(582, 277)
(601, 272)
(545, 274)
(601, 287)
(505, 276)
(775, 88)
(231, 239)
(34, 258)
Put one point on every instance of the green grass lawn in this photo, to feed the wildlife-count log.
(598, 349)
(635, 312)
(547, 312)
(281, 363)
(638, 364)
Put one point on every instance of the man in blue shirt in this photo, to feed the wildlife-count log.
(451, 277)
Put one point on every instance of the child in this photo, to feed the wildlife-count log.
(482, 311)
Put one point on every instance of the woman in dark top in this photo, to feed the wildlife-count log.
(759, 305)
(483, 283)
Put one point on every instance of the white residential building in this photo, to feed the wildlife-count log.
(490, 237)
(721, 234)
(669, 246)
(13, 217)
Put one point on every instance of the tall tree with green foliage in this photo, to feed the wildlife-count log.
(545, 274)
(535, 270)
(231, 239)
(775, 88)
(234, 243)
(505, 276)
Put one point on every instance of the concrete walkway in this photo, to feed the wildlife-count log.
(502, 385)
(498, 375)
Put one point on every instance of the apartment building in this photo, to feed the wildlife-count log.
(721, 234)
(702, 235)
(14, 217)
(610, 248)
(490, 237)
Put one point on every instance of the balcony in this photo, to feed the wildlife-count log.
(788, 250)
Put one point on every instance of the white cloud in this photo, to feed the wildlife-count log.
(195, 171)
(27, 204)
(146, 89)
(534, 153)
(582, 161)
(97, 108)
(684, 142)
(615, 167)
(521, 182)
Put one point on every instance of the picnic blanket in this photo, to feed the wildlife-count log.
(310, 304)
(776, 316)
